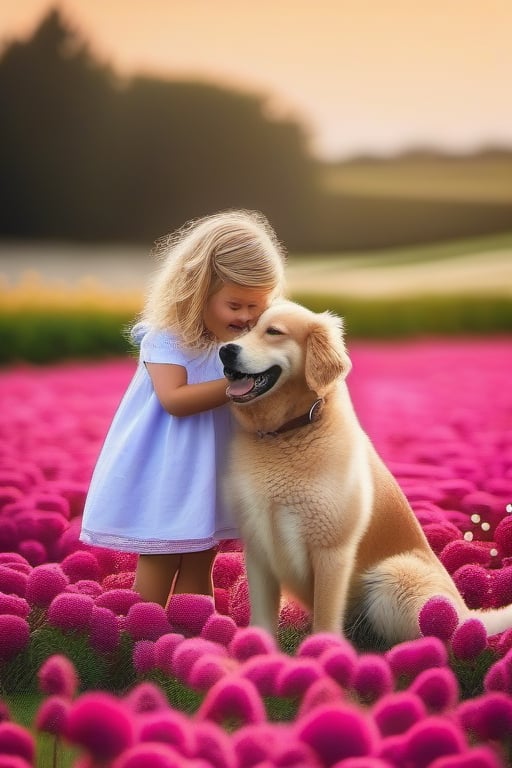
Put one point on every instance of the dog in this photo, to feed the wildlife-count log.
(320, 515)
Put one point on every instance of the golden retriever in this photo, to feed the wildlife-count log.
(320, 515)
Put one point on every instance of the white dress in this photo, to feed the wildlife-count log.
(156, 487)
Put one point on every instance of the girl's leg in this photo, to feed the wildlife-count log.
(195, 573)
(155, 575)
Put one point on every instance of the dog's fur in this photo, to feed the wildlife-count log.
(320, 515)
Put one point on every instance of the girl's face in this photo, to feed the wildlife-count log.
(234, 309)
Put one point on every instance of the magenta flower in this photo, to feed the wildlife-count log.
(410, 658)
(167, 726)
(438, 618)
(151, 755)
(146, 697)
(503, 536)
(469, 640)
(12, 582)
(71, 612)
(318, 643)
(213, 745)
(44, 583)
(86, 587)
(118, 600)
(397, 712)
(479, 757)
(258, 743)
(188, 651)
(81, 565)
(206, 670)
(147, 621)
(16, 741)
(123, 580)
(251, 641)
(189, 613)
(232, 698)
(104, 633)
(9, 535)
(459, 553)
(18, 606)
(488, 717)
(498, 678)
(99, 723)
(57, 676)
(502, 586)
(475, 583)
(430, 739)
(164, 651)
(263, 671)
(336, 733)
(297, 675)
(34, 551)
(14, 635)
(340, 663)
(52, 502)
(239, 606)
(227, 569)
(143, 656)
(437, 687)
(440, 534)
(322, 691)
(52, 715)
(219, 629)
(294, 616)
(372, 678)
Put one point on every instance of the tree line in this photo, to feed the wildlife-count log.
(86, 155)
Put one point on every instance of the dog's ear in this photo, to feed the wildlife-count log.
(326, 356)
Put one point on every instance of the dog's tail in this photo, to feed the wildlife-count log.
(495, 620)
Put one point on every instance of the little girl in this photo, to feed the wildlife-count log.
(156, 486)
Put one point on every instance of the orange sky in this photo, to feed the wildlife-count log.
(366, 75)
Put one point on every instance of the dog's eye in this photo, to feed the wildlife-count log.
(274, 331)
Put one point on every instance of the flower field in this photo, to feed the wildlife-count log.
(119, 682)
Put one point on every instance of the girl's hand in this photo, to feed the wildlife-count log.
(178, 397)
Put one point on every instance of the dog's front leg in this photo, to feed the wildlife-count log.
(332, 570)
(264, 591)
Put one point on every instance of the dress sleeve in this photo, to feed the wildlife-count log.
(163, 347)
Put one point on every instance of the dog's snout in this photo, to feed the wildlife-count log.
(229, 353)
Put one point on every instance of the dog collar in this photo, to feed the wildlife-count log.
(299, 421)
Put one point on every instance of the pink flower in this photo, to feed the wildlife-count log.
(44, 583)
(340, 663)
(146, 697)
(410, 658)
(297, 675)
(71, 612)
(256, 744)
(118, 600)
(502, 586)
(104, 634)
(52, 502)
(232, 698)
(206, 670)
(336, 733)
(154, 755)
(263, 671)
(294, 616)
(219, 629)
(143, 656)
(86, 587)
(147, 621)
(35, 551)
(372, 678)
(469, 640)
(239, 607)
(397, 712)
(12, 582)
(437, 688)
(432, 738)
(100, 724)
(189, 613)
(164, 651)
(9, 535)
(168, 726)
(488, 717)
(123, 580)
(188, 651)
(81, 565)
(479, 757)
(503, 536)
(438, 618)
(15, 740)
(318, 643)
(57, 676)
(214, 745)
(14, 604)
(498, 678)
(52, 715)
(322, 691)
(459, 553)
(14, 635)
(251, 641)
(475, 584)
(227, 569)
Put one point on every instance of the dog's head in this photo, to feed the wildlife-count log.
(287, 343)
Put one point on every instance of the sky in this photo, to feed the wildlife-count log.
(364, 76)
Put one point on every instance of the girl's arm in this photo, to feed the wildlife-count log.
(181, 399)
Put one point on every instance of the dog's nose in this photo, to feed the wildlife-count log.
(229, 353)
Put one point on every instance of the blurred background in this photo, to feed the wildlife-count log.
(377, 138)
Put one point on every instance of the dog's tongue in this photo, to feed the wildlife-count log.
(240, 387)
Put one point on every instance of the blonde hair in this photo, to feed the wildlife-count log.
(229, 247)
